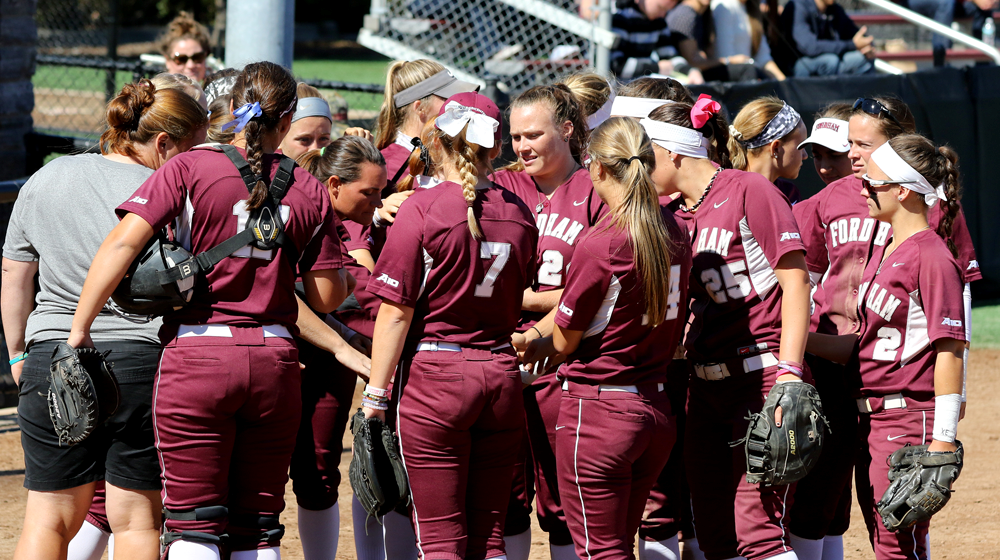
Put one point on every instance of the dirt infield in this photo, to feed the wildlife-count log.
(968, 528)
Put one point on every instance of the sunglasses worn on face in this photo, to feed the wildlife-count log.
(876, 109)
(870, 184)
(182, 59)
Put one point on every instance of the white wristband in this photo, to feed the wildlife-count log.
(376, 219)
(946, 411)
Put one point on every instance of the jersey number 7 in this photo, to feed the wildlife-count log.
(489, 249)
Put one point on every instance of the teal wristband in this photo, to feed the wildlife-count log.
(19, 358)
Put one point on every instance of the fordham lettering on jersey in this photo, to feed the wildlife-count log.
(850, 230)
(714, 240)
(549, 225)
(877, 301)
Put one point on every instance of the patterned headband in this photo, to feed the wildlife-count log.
(784, 122)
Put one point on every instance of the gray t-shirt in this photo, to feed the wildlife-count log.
(61, 217)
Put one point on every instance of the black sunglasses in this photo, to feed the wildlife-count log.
(874, 108)
(182, 59)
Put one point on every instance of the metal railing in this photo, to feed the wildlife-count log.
(931, 25)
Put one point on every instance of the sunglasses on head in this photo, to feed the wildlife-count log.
(182, 59)
(875, 108)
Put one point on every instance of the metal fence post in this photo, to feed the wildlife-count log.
(110, 86)
(259, 30)
(602, 55)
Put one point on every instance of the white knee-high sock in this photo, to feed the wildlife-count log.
(88, 544)
(833, 547)
(400, 542)
(273, 553)
(111, 547)
(807, 549)
(563, 552)
(368, 541)
(184, 550)
(320, 532)
(660, 550)
(518, 546)
(691, 550)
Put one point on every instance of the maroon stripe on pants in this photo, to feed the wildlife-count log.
(327, 391)
(757, 527)
(610, 447)
(460, 424)
(226, 411)
(905, 426)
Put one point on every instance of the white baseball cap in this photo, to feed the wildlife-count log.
(829, 133)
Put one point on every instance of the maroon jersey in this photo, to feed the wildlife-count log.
(839, 234)
(907, 302)
(204, 190)
(397, 156)
(361, 319)
(739, 233)
(464, 291)
(562, 220)
(359, 237)
(604, 297)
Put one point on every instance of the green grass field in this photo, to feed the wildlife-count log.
(986, 326)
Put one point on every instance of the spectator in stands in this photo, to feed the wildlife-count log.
(740, 31)
(941, 11)
(646, 45)
(186, 46)
(827, 41)
(692, 21)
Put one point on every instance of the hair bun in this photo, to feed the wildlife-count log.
(125, 110)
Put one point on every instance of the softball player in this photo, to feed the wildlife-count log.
(615, 429)
(60, 219)
(415, 90)
(227, 401)
(748, 276)
(839, 235)
(354, 174)
(548, 132)
(312, 123)
(912, 335)
(829, 142)
(766, 137)
(452, 276)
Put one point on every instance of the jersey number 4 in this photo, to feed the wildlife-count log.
(727, 282)
(487, 250)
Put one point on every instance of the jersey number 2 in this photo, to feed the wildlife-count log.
(888, 342)
(488, 249)
(550, 272)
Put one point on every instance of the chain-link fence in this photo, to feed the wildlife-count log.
(521, 43)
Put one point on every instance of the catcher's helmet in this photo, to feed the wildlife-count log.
(141, 291)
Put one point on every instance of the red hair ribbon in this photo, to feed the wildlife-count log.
(703, 110)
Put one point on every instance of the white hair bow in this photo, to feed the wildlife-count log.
(481, 128)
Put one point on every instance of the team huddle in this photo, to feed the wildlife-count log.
(618, 331)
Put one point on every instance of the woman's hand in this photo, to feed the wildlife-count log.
(941, 446)
(387, 213)
(370, 412)
(79, 339)
(354, 360)
(358, 131)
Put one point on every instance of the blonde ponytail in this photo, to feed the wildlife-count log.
(622, 147)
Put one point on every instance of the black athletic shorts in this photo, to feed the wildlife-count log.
(122, 452)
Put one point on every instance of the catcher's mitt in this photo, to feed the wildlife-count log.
(83, 392)
(377, 475)
(921, 484)
(778, 455)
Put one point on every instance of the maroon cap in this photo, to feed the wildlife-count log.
(480, 103)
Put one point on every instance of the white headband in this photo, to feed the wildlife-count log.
(638, 107)
(677, 139)
(602, 114)
(898, 170)
(481, 131)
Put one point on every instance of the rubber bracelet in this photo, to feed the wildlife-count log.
(20, 357)
(368, 403)
(540, 335)
(782, 371)
(373, 398)
(376, 391)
